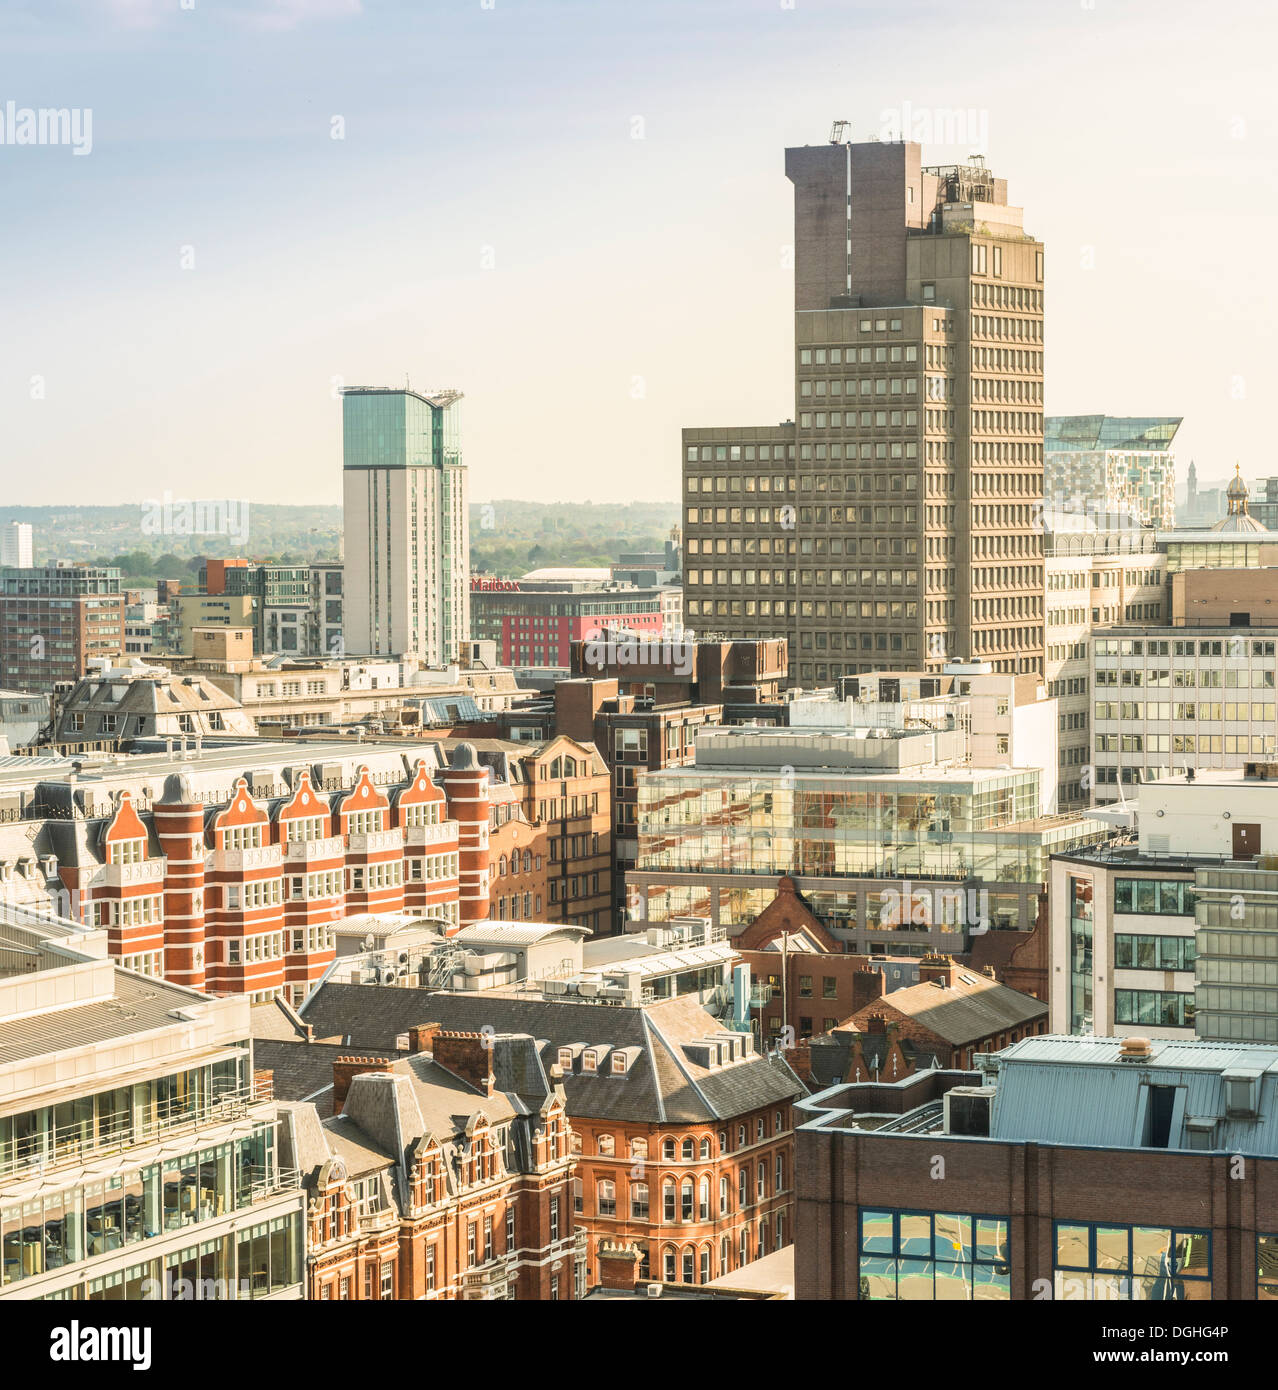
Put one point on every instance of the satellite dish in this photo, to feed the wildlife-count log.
(368, 942)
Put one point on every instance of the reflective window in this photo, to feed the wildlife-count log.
(926, 1256)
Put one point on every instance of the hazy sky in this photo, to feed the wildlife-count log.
(188, 293)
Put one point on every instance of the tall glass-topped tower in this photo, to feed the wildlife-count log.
(407, 536)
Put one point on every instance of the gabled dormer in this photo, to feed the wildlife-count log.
(243, 824)
(124, 837)
(421, 802)
(305, 815)
(364, 810)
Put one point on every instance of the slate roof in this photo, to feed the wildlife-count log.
(662, 1084)
(963, 1012)
(301, 1071)
(830, 1056)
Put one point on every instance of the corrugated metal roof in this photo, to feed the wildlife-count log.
(1077, 1091)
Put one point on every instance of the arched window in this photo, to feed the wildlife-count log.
(638, 1148)
(686, 1207)
(607, 1197)
(723, 1141)
(668, 1212)
(639, 1201)
(501, 867)
(705, 1147)
(703, 1200)
(576, 1142)
(668, 1262)
(705, 1264)
(607, 1145)
(689, 1265)
(725, 1196)
(667, 1148)
(741, 1136)
(527, 861)
(689, 1150)
(725, 1249)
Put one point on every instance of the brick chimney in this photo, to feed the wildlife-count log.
(937, 967)
(876, 1023)
(868, 984)
(468, 1055)
(618, 1265)
(345, 1069)
(421, 1037)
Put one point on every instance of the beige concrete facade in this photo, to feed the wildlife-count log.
(904, 535)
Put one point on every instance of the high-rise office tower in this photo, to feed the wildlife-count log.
(893, 523)
(406, 528)
(17, 547)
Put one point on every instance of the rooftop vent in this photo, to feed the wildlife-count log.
(1135, 1050)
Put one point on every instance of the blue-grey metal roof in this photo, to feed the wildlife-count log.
(1078, 1091)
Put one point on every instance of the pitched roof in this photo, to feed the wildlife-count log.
(973, 1007)
(662, 1083)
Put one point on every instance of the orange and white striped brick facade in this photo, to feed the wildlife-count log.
(240, 896)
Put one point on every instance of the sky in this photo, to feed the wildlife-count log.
(575, 212)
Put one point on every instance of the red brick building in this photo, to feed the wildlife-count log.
(1071, 1168)
(445, 1173)
(953, 1014)
(684, 1133)
(229, 879)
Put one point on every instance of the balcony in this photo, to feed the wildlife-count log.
(235, 861)
(442, 834)
(68, 1143)
(375, 841)
(490, 1279)
(130, 875)
(309, 851)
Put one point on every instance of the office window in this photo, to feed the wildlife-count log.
(1131, 1262)
(928, 1256)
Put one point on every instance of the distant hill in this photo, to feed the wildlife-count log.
(507, 537)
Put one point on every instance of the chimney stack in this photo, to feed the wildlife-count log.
(346, 1069)
(938, 968)
(421, 1037)
(468, 1055)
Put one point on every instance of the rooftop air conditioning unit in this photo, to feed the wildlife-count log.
(968, 1110)
(654, 1290)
